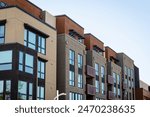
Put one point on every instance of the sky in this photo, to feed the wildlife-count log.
(124, 25)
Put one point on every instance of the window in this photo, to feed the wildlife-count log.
(97, 86)
(129, 73)
(129, 83)
(5, 89)
(30, 91)
(132, 84)
(132, 74)
(115, 91)
(8, 90)
(41, 69)
(5, 60)
(71, 78)
(22, 90)
(125, 70)
(102, 72)
(80, 81)
(80, 40)
(30, 39)
(114, 76)
(41, 45)
(71, 57)
(80, 61)
(75, 96)
(34, 41)
(103, 89)
(97, 69)
(40, 93)
(118, 79)
(28, 60)
(2, 34)
(1, 89)
(118, 92)
(2, 4)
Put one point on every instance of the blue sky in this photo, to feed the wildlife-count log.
(124, 25)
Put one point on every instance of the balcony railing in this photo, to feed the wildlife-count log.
(111, 95)
(91, 90)
(110, 79)
(90, 71)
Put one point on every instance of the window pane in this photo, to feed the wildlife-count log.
(5, 67)
(71, 57)
(32, 37)
(42, 92)
(22, 87)
(1, 86)
(8, 86)
(29, 60)
(6, 57)
(30, 88)
(1, 31)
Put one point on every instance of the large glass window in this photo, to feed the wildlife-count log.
(97, 86)
(103, 88)
(118, 92)
(41, 45)
(102, 72)
(71, 57)
(28, 60)
(118, 79)
(114, 76)
(5, 60)
(80, 61)
(34, 41)
(80, 81)
(75, 96)
(2, 34)
(40, 93)
(1, 89)
(22, 90)
(71, 78)
(97, 69)
(41, 69)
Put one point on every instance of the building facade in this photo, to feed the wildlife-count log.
(143, 92)
(71, 78)
(40, 54)
(95, 62)
(27, 52)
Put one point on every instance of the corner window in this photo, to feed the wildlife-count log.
(34, 41)
(40, 93)
(26, 62)
(41, 69)
(6, 60)
(25, 90)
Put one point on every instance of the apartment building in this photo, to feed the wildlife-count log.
(128, 77)
(71, 59)
(143, 92)
(95, 68)
(114, 71)
(27, 51)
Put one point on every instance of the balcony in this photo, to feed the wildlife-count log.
(110, 95)
(110, 79)
(90, 71)
(124, 85)
(91, 90)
